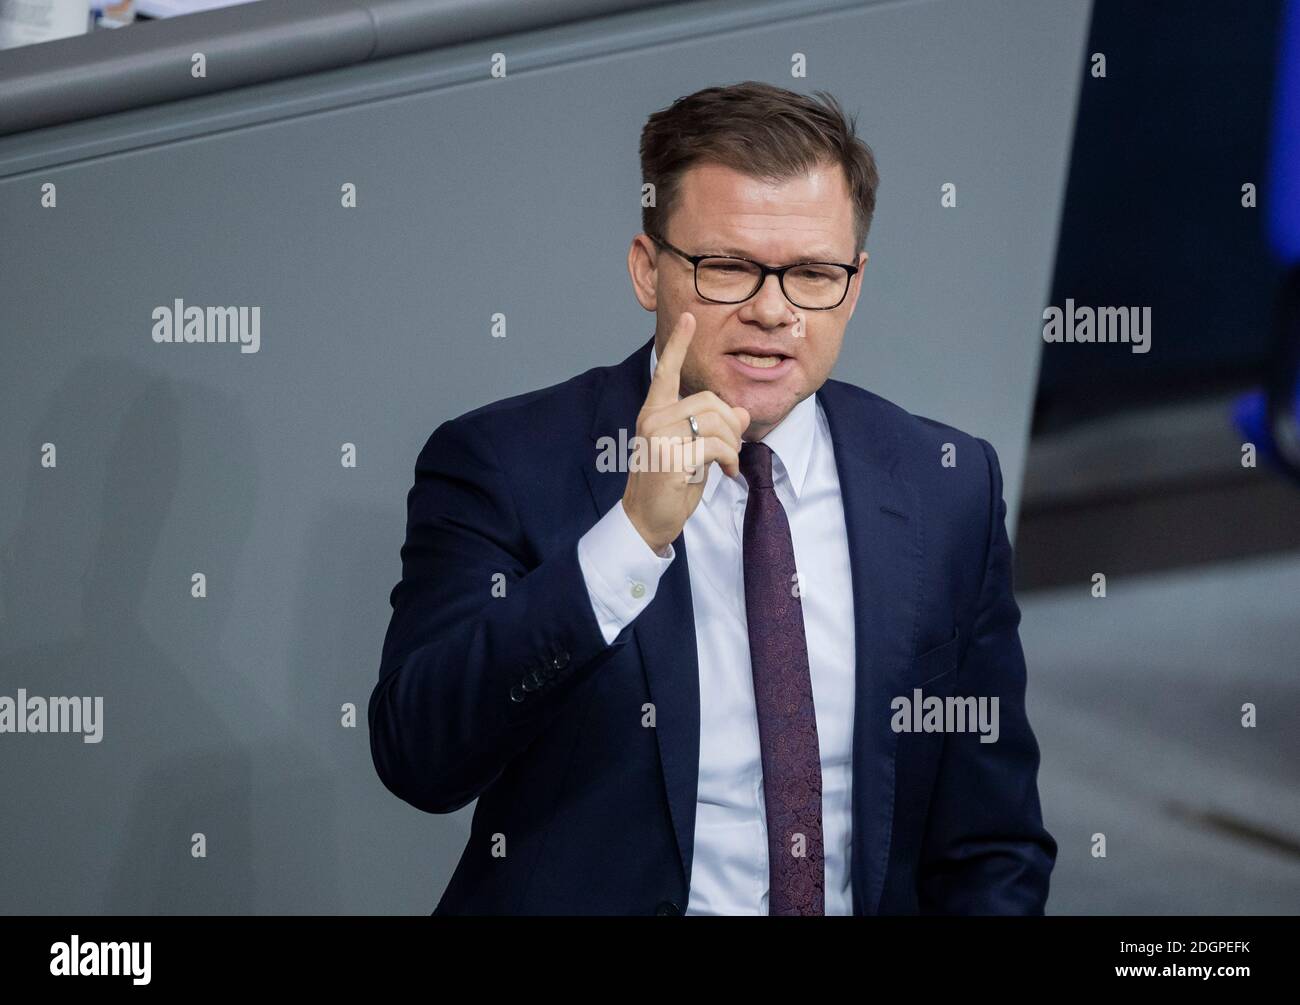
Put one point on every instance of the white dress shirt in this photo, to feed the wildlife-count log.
(729, 867)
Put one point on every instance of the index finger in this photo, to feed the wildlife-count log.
(666, 383)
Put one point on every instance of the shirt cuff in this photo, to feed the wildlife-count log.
(621, 570)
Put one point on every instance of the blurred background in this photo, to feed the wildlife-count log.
(1109, 154)
(1183, 190)
(30, 22)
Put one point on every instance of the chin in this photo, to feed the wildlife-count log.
(766, 406)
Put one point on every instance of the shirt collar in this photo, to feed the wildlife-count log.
(791, 441)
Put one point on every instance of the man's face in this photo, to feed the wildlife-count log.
(721, 211)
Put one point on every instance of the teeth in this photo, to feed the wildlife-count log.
(763, 361)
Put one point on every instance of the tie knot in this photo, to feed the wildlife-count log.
(756, 465)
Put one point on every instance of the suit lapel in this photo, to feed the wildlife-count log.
(664, 631)
(884, 537)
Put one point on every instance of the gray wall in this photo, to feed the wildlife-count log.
(475, 196)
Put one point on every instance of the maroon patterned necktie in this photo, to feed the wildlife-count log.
(787, 725)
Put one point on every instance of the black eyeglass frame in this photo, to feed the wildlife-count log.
(764, 271)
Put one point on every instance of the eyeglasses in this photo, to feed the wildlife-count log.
(726, 279)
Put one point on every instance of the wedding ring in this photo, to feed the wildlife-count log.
(695, 427)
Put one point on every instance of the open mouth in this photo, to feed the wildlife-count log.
(763, 361)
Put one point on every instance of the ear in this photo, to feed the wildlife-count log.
(855, 285)
(642, 267)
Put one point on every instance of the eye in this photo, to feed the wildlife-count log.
(813, 274)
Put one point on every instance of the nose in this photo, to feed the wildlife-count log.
(768, 306)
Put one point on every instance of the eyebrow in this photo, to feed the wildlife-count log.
(816, 255)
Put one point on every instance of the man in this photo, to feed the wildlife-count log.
(677, 678)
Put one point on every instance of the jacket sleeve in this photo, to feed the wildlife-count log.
(985, 849)
(486, 640)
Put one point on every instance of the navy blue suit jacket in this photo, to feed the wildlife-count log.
(517, 701)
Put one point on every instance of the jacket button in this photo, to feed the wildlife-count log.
(533, 681)
(517, 693)
(561, 661)
(667, 907)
